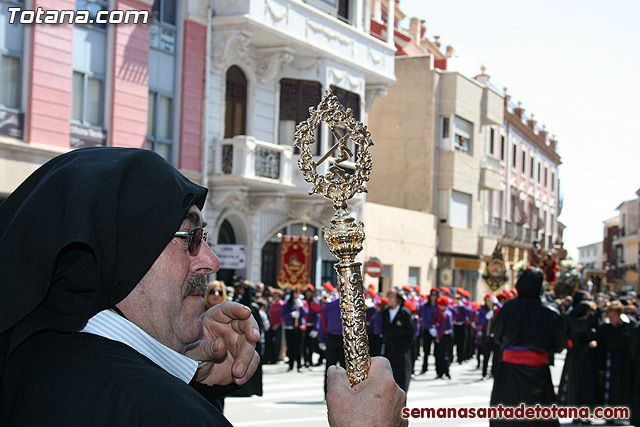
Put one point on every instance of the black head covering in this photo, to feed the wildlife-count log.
(578, 297)
(79, 234)
(529, 284)
(247, 296)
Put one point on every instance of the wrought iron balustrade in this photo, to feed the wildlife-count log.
(267, 163)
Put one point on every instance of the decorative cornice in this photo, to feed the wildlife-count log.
(275, 13)
(303, 68)
(333, 35)
(231, 47)
(270, 61)
(531, 135)
(261, 202)
(371, 93)
(375, 58)
(353, 82)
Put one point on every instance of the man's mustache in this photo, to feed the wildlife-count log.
(197, 284)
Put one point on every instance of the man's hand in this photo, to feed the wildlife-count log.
(377, 401)
(227, 349)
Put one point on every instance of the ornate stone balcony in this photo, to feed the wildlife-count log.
(259, 161)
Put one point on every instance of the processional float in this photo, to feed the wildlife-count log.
(344, 237)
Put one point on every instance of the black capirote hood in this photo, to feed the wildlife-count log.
(79, 233)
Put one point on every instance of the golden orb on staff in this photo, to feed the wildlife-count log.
(344, 237)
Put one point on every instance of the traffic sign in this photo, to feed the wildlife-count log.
(231, 256)
(374, 268)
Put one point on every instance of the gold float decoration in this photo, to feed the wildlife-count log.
(495, 274)
(344, 237)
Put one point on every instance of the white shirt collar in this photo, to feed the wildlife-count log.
(393, 312)
(115, 327)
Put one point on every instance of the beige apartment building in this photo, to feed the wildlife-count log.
(456, 158)
(432, 173)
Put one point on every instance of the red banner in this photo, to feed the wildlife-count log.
(295, 261)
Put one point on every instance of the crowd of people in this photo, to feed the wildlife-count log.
(301, 327)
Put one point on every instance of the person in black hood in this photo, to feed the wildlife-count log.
(103, 274)
(254, 385)
(579, 383)
(527, 333)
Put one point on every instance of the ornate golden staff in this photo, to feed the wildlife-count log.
(344, 237)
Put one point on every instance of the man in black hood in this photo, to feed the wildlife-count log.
(103, 266)
(528, 334)
(103, 272)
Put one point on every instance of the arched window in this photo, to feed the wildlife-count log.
(226, 235)
(235, 122)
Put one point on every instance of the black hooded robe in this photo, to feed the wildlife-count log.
(579, 383)
(615, 363)
(75, 238)
(397, 338)
(526, 323)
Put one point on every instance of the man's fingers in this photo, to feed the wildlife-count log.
(250, 329)
(229, 311)
(337, 378)
(249, 371)
(242, 353)
(206, 350)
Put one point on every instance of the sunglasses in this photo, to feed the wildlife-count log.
(215, 292)
(195, 237)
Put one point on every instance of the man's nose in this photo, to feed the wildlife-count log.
(206, 262)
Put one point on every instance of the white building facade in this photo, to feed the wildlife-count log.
(270, 61)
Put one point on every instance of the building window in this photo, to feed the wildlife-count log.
(163, 25)
(87, 99)
(349, 100)
(524, 162)
(296, 96)
(553, 181)
(160, 124)
(414, 276)
(11, 54)
(463, 135)
(343, 10)
(337, 8)
(460, 210)
(93, 6)
(10, 82)
(502, 147)
(546, 176)
(445, 127)
(539, 174)
(235, 122)
(514, 158)
(532, 167)
(492, 136)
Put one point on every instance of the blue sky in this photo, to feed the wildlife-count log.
(575, 64)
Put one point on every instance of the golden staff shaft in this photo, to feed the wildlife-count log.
(344, 239)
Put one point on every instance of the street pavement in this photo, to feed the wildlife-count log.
(297, 398)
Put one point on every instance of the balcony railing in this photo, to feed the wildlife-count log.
(519, 233)
(493, 228)
(267, 163)
(249, 158)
